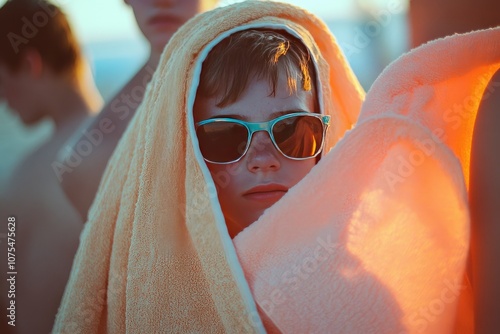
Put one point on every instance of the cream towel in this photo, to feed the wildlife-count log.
(155, 256)
(375, 238)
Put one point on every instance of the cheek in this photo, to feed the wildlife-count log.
(141, 13)
(225, 177)
(297, 170)
(188, 13)
(230, 182)
(141, 19)
(218, 175)
(193, 7)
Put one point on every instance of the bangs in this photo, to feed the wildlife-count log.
(255, 54)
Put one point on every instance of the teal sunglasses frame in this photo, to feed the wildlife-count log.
(253, 127)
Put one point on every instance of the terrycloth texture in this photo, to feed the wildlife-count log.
(439, 86)
(155, 255)
(375, 238)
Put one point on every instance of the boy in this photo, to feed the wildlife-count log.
(42, 75)
(257, 76)
(157, 253)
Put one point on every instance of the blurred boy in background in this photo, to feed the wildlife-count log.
(42, 75)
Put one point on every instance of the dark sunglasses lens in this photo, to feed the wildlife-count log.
(299, 136)
(222, 141)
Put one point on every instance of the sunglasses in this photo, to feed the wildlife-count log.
(297, 136)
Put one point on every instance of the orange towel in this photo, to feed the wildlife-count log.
(375, 238)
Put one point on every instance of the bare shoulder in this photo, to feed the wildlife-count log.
(484, 198)
(485, 156)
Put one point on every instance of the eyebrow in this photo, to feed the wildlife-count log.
(272, 116)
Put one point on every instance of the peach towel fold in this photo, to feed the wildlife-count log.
(375, 238)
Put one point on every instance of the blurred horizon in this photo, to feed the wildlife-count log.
(123, 23)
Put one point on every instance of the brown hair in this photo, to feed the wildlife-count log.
(255, 53)
(39, 25)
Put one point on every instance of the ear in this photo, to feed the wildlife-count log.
(33, 62)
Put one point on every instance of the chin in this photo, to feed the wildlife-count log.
(254, 218)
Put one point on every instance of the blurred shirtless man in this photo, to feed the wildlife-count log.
(80, 171)
(42, 75)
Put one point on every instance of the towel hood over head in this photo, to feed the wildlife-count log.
(359, 245)
(155, 255)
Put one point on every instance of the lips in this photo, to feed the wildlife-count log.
(267, 192)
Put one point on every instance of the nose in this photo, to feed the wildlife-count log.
(262, 156)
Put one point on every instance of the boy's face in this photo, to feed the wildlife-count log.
(263, 175)
(160, 19)
(19, 90)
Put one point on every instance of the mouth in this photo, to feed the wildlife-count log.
(266, 193)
